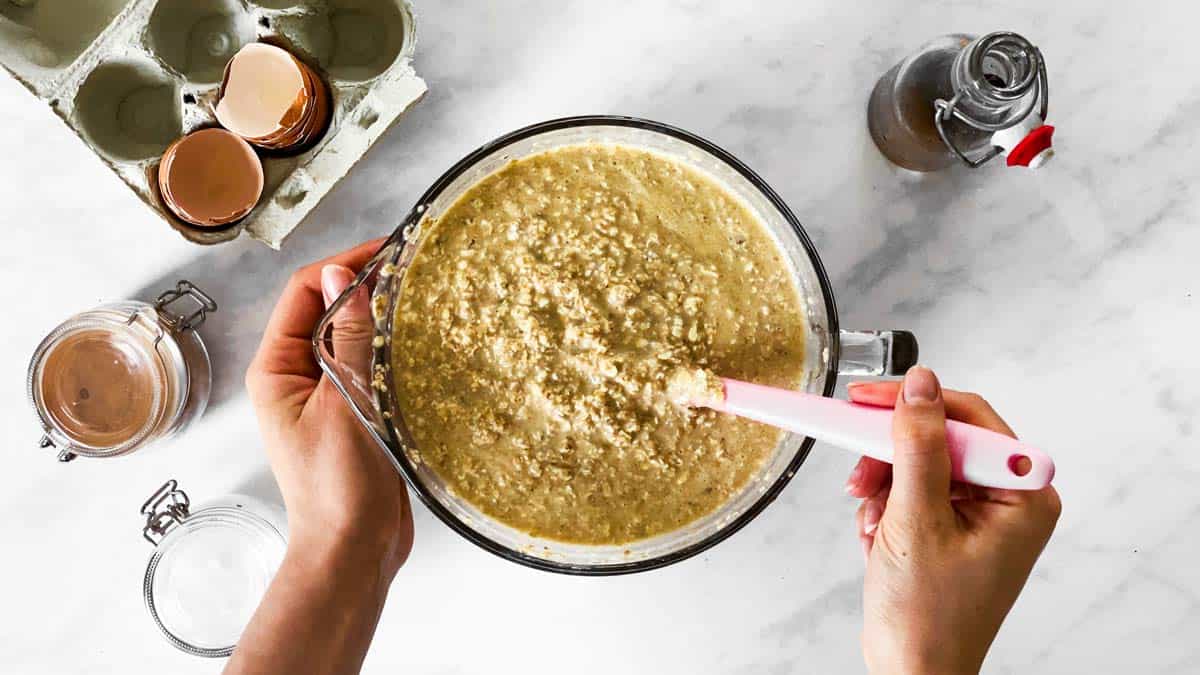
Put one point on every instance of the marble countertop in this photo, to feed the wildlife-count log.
(1064, 296)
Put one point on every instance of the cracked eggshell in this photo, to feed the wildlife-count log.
(264, 93)
(210, 178)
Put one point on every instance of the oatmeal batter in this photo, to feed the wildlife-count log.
(695, 387)
(539, 324)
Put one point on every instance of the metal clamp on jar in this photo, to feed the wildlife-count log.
(210, 567)
(962, 98)
(119, 377)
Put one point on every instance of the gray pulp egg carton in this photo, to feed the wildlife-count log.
(131, 76)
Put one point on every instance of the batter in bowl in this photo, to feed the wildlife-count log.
(542, 317)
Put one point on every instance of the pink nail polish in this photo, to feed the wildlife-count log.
(871, 517)
(854, 477)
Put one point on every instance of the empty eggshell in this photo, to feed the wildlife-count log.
(210, 178)
(273, 100)
(263, 93)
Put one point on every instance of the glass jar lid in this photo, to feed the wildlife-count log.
(112, 379)
(210, 567)
(97, 380)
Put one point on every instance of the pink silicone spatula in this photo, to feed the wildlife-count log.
(977, 455)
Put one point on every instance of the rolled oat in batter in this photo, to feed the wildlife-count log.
(540, 322)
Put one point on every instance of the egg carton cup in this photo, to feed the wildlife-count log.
(132, 76)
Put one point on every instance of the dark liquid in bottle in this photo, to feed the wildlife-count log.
(900, 111)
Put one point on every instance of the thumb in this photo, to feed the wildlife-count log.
(921, 463)
(353, 329)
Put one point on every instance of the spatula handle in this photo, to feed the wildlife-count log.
(977, 455)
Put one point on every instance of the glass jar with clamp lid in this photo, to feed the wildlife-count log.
(114, 379)
(210, 567)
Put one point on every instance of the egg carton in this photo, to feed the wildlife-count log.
(131, 76)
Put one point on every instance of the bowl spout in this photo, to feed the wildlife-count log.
(349, 340)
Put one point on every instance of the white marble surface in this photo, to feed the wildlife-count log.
(1065, 296)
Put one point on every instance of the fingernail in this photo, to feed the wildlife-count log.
(871, 517)
(852, 388)
(333, 282)
(920, 384)
(855, 476)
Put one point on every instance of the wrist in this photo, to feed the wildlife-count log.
(937, 669)
(939, 662)
(340, 559)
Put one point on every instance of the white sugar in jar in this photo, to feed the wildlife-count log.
(210, 567)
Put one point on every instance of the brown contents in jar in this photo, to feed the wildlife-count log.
(99, 386)
(542, 317)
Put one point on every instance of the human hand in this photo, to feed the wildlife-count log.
(349, 520)
(343, 498)
(945, 561)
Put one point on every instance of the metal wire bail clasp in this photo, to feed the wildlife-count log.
(167, 507)
(63, 455)
(979, 93)
(184, 322)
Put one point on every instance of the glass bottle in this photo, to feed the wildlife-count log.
(964, 98)
(114, 379)
(210, 567)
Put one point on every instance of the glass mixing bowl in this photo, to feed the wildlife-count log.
(358, 361)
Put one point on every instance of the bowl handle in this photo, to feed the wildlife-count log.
(876, 352)
(349, 356)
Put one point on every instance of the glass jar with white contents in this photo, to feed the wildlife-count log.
(119, 377)
(210, 567)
